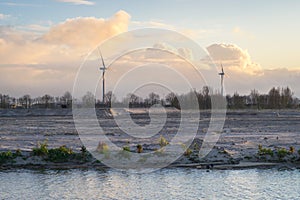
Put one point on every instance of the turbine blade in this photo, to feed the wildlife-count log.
(222, 68)
(101, 58)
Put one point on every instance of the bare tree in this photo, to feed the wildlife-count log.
(274, 98)
(27, 101)
(89, 100)
(172, 99)
(153, 98)
(66, 99)
(110, 98)
(286, 97)
(254, 96)
(47, 100)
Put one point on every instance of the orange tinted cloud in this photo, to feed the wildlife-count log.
(234, 58)
(64, 42)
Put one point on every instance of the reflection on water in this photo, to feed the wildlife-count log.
(163, 184)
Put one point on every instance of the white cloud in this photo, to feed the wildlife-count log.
(234, 58)
(50, 59)
(245, 75)
(78, 2)
(39, 60)
(64, 42)
(88, 31)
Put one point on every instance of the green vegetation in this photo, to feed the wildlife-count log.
(163, 141)
(139, 148)
(126, 148)
(265, 151)
(6, 156)
(299, 151)
(188, 152)
(18, 152)
(103, 148)
(41, 149)
(292, 149)
(83, 150)
(84, 155)
(282, 153)
(61, 154)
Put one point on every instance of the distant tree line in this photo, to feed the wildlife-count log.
(45, 101)
(276, 98)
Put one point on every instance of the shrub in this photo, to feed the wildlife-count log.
(282, 152)
(139, 148)
(60, 154)
(265, 151)
(102, 148)
(188, 152)
(41, 149)
(6, 156)
(84, 155)
(18, 152)
(163, 141)
(126, 148)
(299, 151)
(292, 149)
(83, 150)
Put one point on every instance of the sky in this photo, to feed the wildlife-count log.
(43, 42)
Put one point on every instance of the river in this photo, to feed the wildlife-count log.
(172, 184)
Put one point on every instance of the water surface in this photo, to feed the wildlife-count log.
(164, 184)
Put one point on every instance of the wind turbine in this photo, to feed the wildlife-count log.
(222, 74)
(103, 69)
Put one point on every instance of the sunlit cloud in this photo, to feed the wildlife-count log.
(44, 58)
(234, 58)
(64, 42)
(88, 31)
(40, 59)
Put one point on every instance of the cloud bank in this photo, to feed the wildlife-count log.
(41, 62)
(245, 74)
(234, 58)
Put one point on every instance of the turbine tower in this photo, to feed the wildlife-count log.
(103, 69)
(222, 79)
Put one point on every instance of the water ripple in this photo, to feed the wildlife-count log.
(164, 184)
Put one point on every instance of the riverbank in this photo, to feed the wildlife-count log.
(259, 139)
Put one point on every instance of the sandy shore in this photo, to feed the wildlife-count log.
(238, 146)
